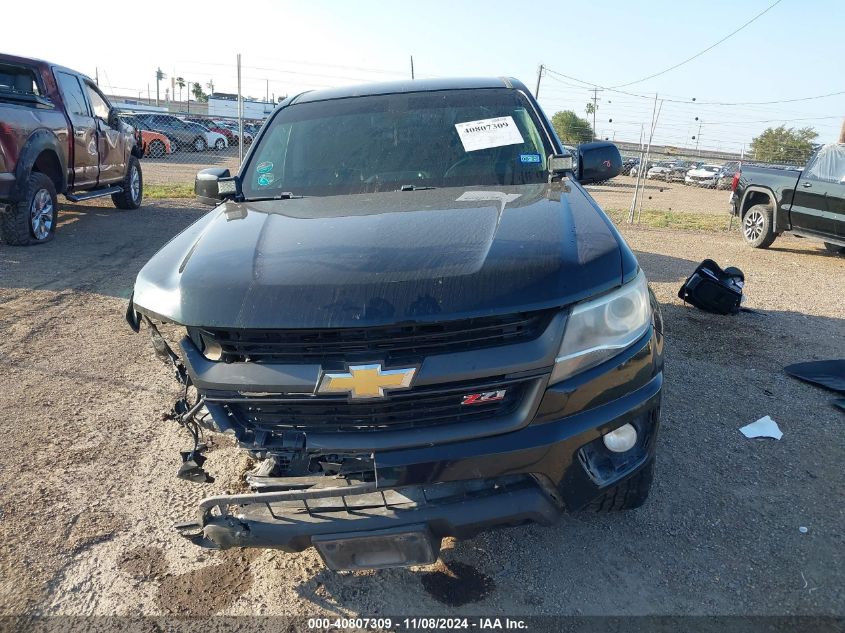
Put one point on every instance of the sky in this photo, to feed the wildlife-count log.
(795, 50)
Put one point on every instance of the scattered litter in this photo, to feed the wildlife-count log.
(805, 581)
(764, 427)
(803, 530)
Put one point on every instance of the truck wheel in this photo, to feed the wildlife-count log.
(626, 495)
(33, 219)
(757, 226)
(834, 248)
(133, 187)
(200, 145)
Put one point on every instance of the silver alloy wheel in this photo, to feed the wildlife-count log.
(41, 214)
(752, 226)
(220, 144)
(134, 183)
(198, 145)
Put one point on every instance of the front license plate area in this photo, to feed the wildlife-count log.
(378, 549)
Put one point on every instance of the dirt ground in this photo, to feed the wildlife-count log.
(88, 493)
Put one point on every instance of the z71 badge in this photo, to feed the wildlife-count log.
(486, 396)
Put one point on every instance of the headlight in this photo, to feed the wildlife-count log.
(601, 328)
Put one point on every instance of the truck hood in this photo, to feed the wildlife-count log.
(381, 258)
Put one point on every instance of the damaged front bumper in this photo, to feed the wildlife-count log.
(362, 526)
(429, 493)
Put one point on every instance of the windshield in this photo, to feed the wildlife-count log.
(385, 142)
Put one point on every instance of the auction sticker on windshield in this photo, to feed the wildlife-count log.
(487, 133)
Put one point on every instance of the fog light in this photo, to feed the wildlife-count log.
(622, 439)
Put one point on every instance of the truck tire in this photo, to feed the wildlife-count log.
(757, 226)
(33, 219)
(626, 495)
(834, 248)
(133, 187)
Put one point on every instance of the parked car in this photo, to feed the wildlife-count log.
(182, 135)
(808, 202)
(677, 171)
(442, 321)
(214, 140)
(58, 135)
(636, 168)
(210, 125)
(659, 170)
(233, 127)
(628, 164)
(154, 144)
(704, 176)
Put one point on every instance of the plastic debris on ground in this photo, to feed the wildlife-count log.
(764, 427)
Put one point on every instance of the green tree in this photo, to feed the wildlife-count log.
(180, 83)
(572, 129)
(784, 145)
(590, 109)
(199, 93)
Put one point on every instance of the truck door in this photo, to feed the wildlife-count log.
(85, 157)
(818, 202)
(111, 143)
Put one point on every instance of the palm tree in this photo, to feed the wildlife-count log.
(180, 82)
(210, 86)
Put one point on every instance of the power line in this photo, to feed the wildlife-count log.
(709, 48)
(693, 100)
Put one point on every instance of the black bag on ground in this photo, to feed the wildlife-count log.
(712, 289)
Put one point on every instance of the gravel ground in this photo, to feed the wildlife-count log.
(88, 493)
(660, 196)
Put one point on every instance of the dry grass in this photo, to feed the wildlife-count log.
(674, 219)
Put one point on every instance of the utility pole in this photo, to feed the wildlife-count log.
(412, 67)
(267, 93)
(539, 77)
(842, 133)
(643, 166)
(96, 75)
(240, 116)
(595, 92)
(697, 139)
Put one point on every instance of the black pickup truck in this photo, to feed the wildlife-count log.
(410, 312)
(810, 202)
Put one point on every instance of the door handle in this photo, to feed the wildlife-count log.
(807, 185)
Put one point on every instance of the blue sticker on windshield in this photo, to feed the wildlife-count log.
(263, 168)
(265, 180)
(529, 158)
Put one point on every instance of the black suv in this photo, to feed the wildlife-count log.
(414, 317)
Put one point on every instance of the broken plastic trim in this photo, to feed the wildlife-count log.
(194, 531)
(163, 351)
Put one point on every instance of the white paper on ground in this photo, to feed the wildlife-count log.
(486, 133)
(764, 427)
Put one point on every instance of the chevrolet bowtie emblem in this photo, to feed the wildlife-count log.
(366, 381)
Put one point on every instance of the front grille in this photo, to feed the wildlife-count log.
(392, 343)
(421, 407)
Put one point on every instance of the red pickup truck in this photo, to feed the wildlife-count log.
(58, 134)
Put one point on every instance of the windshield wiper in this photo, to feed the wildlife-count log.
(285, 195)
(415, 187)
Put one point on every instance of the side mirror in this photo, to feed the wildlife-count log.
(215, 184)
(598, 161)
(113, 120)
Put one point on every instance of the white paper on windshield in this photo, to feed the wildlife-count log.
(488, 133)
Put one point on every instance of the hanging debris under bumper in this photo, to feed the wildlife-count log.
(360, 526)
